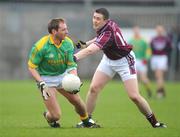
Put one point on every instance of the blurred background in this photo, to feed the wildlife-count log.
(23, 22)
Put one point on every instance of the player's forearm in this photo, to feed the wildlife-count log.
(91, 49)
(35, 74)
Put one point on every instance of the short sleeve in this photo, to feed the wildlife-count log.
(35, 57)
(102, 40)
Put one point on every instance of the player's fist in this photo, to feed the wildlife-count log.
(81, 44)
(44, 89)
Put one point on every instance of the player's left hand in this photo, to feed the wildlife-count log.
(44, 90)
(81, 44)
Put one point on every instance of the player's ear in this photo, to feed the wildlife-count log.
(53, 31)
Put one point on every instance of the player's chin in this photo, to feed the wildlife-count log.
(63, 37)
(95, 27)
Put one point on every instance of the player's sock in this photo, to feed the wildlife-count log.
(87, 122)
(160, 92)
(152, 119)
(84, 119)
(163, 92)
(155, 124)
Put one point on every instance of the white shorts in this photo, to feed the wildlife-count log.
(159, 62)
(54, 81)
(140, 66)
(125, 67)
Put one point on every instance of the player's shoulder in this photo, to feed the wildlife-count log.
(68, 42)
(41, 42)
(113, 24)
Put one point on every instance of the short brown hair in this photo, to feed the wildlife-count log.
(54, 24)
(104, 12)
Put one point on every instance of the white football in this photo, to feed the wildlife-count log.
(71, 82)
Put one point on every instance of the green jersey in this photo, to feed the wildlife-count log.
(51, 59)
(140, 48)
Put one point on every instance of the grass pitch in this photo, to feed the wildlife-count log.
(21, 111)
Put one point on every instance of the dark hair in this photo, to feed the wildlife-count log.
(104, 12)
(54, 24)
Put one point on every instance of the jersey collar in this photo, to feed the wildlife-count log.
(104, 27)
(51, 41)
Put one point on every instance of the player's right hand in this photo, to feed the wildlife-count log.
(76, 91)
(81, 44)
(44, 90)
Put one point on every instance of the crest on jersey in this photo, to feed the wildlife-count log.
(51, 55)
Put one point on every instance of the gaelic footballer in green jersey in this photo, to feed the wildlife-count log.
(51, 58)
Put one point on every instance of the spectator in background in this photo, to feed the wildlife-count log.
(142, 53)
(160, 46)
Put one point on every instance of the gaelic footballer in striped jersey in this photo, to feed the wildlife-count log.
(118, 58)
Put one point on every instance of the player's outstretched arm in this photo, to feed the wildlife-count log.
(91, 49)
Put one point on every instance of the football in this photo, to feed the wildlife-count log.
(71, 83)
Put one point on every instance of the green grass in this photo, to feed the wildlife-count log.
(21, 111)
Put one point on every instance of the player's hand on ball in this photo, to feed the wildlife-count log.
(81, 44)
(76, 91)
(44, 90)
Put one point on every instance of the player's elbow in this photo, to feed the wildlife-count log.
(92, 49)
(29, 68)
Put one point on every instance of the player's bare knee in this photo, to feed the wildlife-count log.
(135, 98)
(94, 89)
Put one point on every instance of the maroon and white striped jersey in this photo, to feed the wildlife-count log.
(110, 40)
(160, 45)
